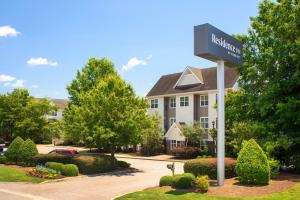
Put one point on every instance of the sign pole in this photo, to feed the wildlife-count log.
(221, 123)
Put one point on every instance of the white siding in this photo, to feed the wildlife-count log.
(159, 110)
(185, 113)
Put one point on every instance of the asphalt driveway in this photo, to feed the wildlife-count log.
(98, 187)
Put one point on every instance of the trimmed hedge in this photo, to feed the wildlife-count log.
(13, 152)
(208, 166)
(166, 181)
(201, 184)
(44, 158)
(54, 165)
(183, 181)
(179, 181)
(64, 169)
(94, 164)
(252, 164)
(87, 164)
(3, 159)
(185, 152)
(27, 151)
(69, 170)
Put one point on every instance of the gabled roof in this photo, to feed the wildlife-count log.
(165, 85)
(195, 77)
(61, 103)
(175, 132)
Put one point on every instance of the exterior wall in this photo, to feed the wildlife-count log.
(185, 113)
(168, 113)
(58, 115)
(159, 110)
(212, 111)
(188, 79)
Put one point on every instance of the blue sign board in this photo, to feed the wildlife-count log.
(213, 44)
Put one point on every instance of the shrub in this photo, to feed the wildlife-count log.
(274, 167)
(252, 164)
(123, 164)
(185, 152)
(208, 166)
(13, 152)
(54, 165)
(183, 181)
(27, 151)
(44, 158)
(201, 184)
(69, 170)
(295, 162)
(87, 164)
(94, 164)
(166, 181)
(3, 159)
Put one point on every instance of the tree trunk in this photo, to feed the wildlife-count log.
(112, 151)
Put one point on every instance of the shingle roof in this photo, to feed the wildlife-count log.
(61, 103)
(165, 85)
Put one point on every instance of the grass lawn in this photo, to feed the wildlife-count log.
(13, 174)
(292, 194)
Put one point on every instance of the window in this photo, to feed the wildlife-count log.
(172, 102)
(172, 120)
(203, 100)
(154, 103)
(184, 101)
(173, 143)
(178, 144)
(204, 122)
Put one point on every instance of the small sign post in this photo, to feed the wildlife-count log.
(213, 44)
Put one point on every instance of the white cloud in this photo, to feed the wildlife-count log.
(40, 61)
(134, 62)
(7, 84)
(8, 31)
(6, 78)
(35, 86)
(18, 84)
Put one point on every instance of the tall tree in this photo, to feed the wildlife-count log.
(107, 109)
(85, 79)
(270, 76)
(194, 133)
(23, 115)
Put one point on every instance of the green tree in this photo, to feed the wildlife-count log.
(270, 77)
(151, 136)
(23, 115)
(92, 72)
(194, 133)
(106, 109)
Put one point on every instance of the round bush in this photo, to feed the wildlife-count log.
(166, 181)
(208, 166)
(201, 184)
(252, 164)
(183, 181)
(27, 151)
(3, 159)
(55, 165)
(69, 170)
(13, 152)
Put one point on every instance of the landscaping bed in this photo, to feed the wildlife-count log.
(11, 173)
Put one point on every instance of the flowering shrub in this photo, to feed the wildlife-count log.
(43, 172)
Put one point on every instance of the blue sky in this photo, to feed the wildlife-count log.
(44, 43)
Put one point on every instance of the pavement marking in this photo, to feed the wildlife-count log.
(23, 195)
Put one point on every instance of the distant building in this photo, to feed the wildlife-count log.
(185, 97)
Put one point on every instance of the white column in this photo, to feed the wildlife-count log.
(221, 123)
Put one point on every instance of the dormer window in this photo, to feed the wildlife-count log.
(189, 77)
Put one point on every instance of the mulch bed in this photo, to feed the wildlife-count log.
(232, 187)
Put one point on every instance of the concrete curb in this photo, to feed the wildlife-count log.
(153, 159)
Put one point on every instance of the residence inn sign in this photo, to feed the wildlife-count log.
(213, 44)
